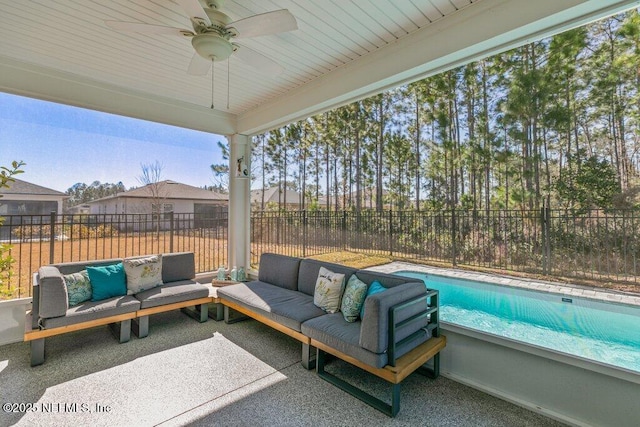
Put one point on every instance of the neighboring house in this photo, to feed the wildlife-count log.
(162, 200)
(275, 197)
(24, 198)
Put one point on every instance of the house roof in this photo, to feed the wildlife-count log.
(20, 187)
(272, 195)
(168, 189)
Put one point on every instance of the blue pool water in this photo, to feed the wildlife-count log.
(604, 332)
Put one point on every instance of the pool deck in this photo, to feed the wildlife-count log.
(536, 285)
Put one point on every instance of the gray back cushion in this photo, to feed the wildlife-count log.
(75, 267)
(279, 270)
(309, 269)
(387, 280)
(178, 266)
(53, 298)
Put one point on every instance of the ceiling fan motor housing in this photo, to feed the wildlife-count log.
(212, 47)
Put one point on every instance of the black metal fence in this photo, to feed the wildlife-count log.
(599, 245)
(37, 240)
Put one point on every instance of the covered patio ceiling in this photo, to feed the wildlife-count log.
(62, 51)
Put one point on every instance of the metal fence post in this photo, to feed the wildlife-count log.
(546, 233)
(390, 232)
(52, 236)
(171, 230)
(344, 230)
(454, 225)
(304, 233)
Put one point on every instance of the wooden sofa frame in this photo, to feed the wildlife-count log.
(394, 372)
(121, 325)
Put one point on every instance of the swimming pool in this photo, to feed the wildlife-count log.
(608, 333)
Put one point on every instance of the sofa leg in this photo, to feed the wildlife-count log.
(140, 326)
(233, 317)
(390, 410)
(216, 311)
(121, 330)
(431, 372)
(200, 313)
(37, 352)
(308, 361)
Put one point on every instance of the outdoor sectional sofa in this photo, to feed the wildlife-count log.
(397, 335)
(51, 314)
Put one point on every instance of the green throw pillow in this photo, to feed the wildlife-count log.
(78, 287)
(353, 299)
(107, 281)
(375, 288)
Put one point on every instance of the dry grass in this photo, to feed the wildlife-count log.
(353, 259)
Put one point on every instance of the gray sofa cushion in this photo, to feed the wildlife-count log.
(170, 293)
(279, 270)
(387, 280)
(343, 336)
(178, 266)
(75, 267)
(52, 293)
(309, 269)
(287, 307)
(92, 310)
(374, 333)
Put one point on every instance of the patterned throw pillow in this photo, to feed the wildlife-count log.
(78, 287)
(353, 298)
(143, 273)
(328, 291)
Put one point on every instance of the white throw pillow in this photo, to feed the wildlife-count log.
(328, 291)
(143, 273)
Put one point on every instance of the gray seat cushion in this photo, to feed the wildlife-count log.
(343, 336)
(287, 307)
(92, 310)
(170, 293)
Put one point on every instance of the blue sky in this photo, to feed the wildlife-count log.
(63, 145)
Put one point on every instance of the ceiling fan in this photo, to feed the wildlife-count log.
(214, 34)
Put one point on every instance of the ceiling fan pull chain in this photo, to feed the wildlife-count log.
(228, 80)
(213, 73)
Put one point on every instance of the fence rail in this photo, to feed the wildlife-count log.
(599, 245)
(49, 239)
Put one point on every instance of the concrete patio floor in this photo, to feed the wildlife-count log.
(186, 373)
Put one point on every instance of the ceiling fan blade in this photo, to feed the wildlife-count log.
(137, 27)
(194, 10)
(258, 61)
(198, 65)
(266, 23)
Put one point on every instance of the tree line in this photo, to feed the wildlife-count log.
(555, 121)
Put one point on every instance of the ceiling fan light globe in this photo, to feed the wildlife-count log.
(212, 47)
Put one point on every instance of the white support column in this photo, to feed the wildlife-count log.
(239, 202)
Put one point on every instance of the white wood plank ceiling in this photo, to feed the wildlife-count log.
(69, 39)
(71, 35)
